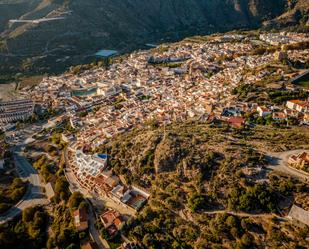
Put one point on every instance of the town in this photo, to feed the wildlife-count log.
(187, 81)
(192, 80)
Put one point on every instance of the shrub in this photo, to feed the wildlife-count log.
(75, 200)
(4, 207)
(196, 202)
(246, 240)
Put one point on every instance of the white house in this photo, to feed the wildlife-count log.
(263, 111)
(298, 105)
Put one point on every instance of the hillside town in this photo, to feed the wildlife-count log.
(173, 83)
(192, 80)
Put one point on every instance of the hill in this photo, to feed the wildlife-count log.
(82, 27)
(210, 186)
(296, 14)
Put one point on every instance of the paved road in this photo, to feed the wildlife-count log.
(95, 235)
(278, 162)
(34, 195)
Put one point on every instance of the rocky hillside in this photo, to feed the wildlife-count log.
(86, 26)
(297, 13)
(207, 183)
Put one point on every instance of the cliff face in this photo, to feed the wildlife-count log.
(124, 25)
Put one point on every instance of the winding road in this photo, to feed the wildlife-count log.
(34, 194)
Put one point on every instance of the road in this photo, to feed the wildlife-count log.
(34, 195)
(95, 235)
(279, 162)
(242, 214)
(36, 20)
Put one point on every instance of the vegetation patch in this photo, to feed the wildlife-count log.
(11, 193)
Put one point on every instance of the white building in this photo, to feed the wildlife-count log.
(263, 111)
(91, 165)
(13, 111)
(298, 105)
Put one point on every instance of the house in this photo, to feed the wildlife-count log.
(291, 113)
(230, 112)
(237, 122)
(112, 181)
(136, 198)
(263, 111)
(299, 161)
(112, 221)
(306, 118)
(299, 214)
(279, 116)
(298, 105)
(108, 217)
(128, 245)
(13, 111)
(120, 193)
(81, 219)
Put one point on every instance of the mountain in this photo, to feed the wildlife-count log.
(297, 13)
(79, 28)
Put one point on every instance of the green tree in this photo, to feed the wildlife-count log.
(75, 200)
(62, 189)
(196, 202)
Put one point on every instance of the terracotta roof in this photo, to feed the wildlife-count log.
(118, 222)
(237, 120)
(109, 217)
(82, 214)
(264, 109)
(300, 102)
(279, 115)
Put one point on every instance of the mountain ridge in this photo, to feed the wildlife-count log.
(120, 24)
